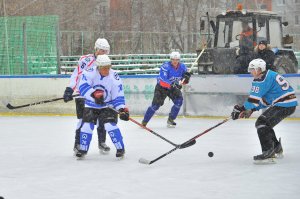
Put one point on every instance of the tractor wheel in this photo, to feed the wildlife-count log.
(283, 64)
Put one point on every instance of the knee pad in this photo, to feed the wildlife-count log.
(87, 127)
(110, 126)
(79, 124)
(178, 102)
(261, 122)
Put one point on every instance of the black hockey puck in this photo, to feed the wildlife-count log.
(1, 197)
(210, 154)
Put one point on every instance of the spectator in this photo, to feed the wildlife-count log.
(263, 51)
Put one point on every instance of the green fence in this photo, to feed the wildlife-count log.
(28, 45)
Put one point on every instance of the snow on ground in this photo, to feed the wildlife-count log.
(36, 162)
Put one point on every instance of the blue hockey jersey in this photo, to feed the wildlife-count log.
(271, 90)
(169, 75)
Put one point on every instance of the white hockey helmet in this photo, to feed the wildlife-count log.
(102, 60)
(175, 55)
(257, 63)
(102, 44)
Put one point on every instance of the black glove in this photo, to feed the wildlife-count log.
(68, 94)
(176, 86)
(98, 96)
(236, 112)
(124, 114)
(186, 77)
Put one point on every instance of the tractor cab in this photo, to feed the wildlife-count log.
(237, 33)
(230, 28)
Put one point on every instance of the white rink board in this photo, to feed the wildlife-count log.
(206, 95)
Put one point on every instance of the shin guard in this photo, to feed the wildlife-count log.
(115, 135)
(86, 136)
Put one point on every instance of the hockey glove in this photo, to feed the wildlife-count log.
(124, 114)
(236, 112)
(186, 77)
(68, 94)
(98, 96)
(176, 86)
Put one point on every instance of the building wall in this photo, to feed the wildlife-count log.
(290, 12)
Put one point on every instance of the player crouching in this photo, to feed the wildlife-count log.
(269, 89)
(102, 89)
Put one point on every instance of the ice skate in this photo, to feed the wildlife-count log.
(79, 154)
(278, 150)
(144, 123)
(103, 148)
(171, 123)
(120, 154)
(267, 157)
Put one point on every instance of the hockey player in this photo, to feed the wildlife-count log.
(269, 89)
(86, 62)
(102, 89)
(168, 84)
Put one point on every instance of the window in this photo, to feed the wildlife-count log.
(297, 20)
(280, 2)
(275, 33)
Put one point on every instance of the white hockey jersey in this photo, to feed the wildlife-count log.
(85, 62)
(112, 86)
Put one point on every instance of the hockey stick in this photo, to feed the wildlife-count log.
(145, 161)
(196, 61)
(181, 146)
(9, 106)
(154, 133)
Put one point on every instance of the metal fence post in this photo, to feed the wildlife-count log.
(25, 49)
(58, 47)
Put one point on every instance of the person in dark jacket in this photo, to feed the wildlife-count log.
(263, 51)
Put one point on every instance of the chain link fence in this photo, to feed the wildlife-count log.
(128, 42)
(28, 45)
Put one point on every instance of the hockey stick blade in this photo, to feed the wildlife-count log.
(144, 161)
(9, 106)
(188, 144)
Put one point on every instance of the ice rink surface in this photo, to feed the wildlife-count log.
(37, 162)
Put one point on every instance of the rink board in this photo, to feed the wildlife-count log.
(206, 95)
